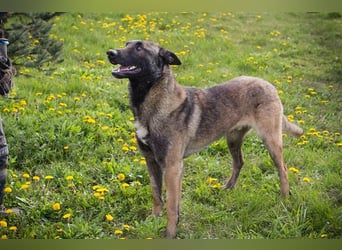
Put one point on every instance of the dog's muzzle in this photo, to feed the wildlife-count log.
(125, 70)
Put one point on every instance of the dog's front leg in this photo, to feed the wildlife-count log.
(173, 178)
(156, 179)
(155, 173)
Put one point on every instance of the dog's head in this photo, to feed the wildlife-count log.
(141, 59)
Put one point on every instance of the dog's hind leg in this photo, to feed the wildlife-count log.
(270, 130)
(234, 141)
(173, 179)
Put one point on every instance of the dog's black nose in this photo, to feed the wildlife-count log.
(112, 53)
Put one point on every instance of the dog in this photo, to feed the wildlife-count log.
(173, 121)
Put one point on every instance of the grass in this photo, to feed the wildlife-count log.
(76, 172)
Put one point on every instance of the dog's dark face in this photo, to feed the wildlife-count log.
(140, 60)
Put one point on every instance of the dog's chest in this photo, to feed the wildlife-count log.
(141, 132)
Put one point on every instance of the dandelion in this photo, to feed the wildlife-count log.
(66, 147)
(63, 105)
(290, 118)
(56, 206)
(25, 186)
(8, 190)
(306, 179)
(48, 177)
(293, 170)
(118, 232)
(13, 228)
(217, 185)
(211, 180)
(127, 227)
(66, 216)
(324, 236)
(4, 237)
(26, 176)
(125, 185)
(3, 223)
(109, 217)
(125, 148)
(121, 177)
(36, 178)
(104, 128)
(9, 211)
(143, 162)
(69, 178)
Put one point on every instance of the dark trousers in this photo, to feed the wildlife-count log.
(3, 162)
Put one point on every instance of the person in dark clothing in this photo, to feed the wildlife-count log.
(6, 83)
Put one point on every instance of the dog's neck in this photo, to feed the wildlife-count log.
(159, 92)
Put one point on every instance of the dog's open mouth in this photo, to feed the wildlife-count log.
(125, 71)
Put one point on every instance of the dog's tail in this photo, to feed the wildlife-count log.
(290, 128)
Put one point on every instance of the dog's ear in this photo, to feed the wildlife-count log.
(169, 57)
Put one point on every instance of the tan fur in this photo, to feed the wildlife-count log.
(173, 122)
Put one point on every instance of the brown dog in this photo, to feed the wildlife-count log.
(173, 122)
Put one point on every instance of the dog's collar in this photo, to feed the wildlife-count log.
(4, 41)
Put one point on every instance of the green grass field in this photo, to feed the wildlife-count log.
(75, 170)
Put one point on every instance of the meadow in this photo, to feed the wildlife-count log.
(75, 169)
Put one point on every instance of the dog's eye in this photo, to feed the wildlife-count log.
(138, 46)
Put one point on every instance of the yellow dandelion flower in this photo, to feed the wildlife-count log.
(24, 186)
(290, 118)
(306, 179)
(104, 128)
(96, 187)
(8, 190)
(118, 232)
(339, 144)
(125, 185)
(56, 206)
(102, 190)
(293, 170)
(66, 147)
(217, 185)
(48, 177)
(3, 223)
(97, 195)
(4, 237)
(66, 216)
(36, 178)
(13, 228)
(127, 227)
(69, 178)
(26, 175)
(324, 235)
(125, 148)
(109, 217)
(210, 180)
(121, 177)
(9, 211)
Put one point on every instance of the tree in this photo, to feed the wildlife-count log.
(30, 42)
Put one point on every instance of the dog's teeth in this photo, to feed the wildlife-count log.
(132, 67)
